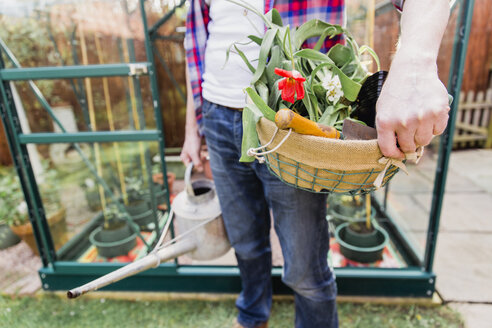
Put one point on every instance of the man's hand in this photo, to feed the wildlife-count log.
(191, 149)
(413, 105)
(412, 108)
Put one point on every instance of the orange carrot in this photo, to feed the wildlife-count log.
(287, 119)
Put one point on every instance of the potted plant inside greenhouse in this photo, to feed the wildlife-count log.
(115, 237)
(91, 192)
(14, 208)
(138, 205)
(362, 240)
(345, 208)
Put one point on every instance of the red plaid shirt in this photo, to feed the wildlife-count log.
(293, 12)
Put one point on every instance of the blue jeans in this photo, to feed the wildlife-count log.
(247, 192)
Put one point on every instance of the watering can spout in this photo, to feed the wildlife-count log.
(199, 219)
(152, 260)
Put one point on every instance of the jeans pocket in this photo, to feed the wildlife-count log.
(208, 108)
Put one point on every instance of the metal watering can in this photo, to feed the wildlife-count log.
(202, 234)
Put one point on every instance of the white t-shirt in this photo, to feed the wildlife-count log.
(229, 23)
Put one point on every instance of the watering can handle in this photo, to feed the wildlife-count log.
(188, 186)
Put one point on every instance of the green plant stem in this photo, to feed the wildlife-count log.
(246, 5)
(291, 52)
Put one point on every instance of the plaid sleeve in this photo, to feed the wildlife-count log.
(398, 4)
(297, 12)
(194, 43)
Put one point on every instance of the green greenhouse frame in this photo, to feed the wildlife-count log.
(416, 280)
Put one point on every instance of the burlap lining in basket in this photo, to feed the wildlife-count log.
(322, 164)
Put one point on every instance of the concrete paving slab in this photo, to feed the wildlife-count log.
(475, 165)
(459, 183)
(472, 160)
(421, 180)
(414, 182)
(466, 212)
(409, 213)
(475, 315)
(463, 266)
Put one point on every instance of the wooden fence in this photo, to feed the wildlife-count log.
(474, 120)
(5, 158)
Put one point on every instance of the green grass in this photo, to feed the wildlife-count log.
(53, 312)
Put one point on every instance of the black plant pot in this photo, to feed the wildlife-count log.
(141, 213)
(359, 247)
(114, 242)
(369, 239)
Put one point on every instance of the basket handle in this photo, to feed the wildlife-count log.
(259, 154)
(387, 162)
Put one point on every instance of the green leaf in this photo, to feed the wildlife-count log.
(262, 106)
(245, 59)
(266, 45)
(329, 116)
(251, 116)
(315, 27)
(321, 40)
(313, 55)
(275, 96)
(307, 103)
(341, 54)
(255, 39)
(240, 53)
(275, 61)
(368, 49)
(262, 90)
(316, 106)
(274, 16)
(284, 41)
(319, 91)
(349, 68)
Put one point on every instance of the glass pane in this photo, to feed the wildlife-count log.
(113, 103)
(57, 33)
(409, 197)
(350, 237)
(169, 59)
(78, 207)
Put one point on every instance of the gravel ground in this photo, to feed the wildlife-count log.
(19, 275)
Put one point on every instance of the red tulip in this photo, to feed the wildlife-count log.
(291, 84)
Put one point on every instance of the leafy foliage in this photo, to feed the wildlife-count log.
(333, 79)
(134, 188)
(13, 207)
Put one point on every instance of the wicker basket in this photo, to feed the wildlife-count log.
(325, 165)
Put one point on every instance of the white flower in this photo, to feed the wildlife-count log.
(22, 208)
(331, 82)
